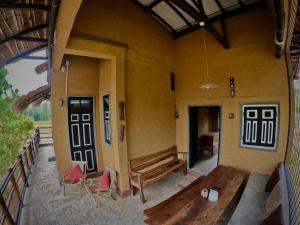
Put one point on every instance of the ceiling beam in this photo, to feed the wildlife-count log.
(24, 32)
(14, 5)
(33, 39)
(20, 56)
(220, 6)
(219, 17)
(35, 57)
(201, 17)
(158, 17)
(178, 12)
(154, 3)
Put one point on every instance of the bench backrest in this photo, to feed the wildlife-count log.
(151, 159)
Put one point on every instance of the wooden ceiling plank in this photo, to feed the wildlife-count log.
(178, 12)
(148, 9)
(161, 19)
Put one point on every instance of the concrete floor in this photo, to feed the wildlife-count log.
(206, 164)
(46, 205)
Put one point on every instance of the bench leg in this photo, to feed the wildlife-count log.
(133, 190)
(184, 169)
(142, 196)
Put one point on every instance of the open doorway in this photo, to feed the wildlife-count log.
(205, 131)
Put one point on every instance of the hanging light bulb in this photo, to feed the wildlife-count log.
(206, 85)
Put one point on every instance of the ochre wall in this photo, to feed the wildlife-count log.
(147, 67)
(83, 80)
(150, 57)
(259, 78)
(105, 88)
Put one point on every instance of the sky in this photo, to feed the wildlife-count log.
(22, 75)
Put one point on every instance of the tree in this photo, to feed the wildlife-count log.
(14, 127)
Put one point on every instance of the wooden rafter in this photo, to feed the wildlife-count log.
(148, 9)
(225, 15)
(34, 39)
(24, 32)
(154, 3)
(20, 56)
(177, 12)
(35, 57)
(14, 5)
(220, 6)
(201, 17)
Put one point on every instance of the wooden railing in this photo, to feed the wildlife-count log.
(14, 183)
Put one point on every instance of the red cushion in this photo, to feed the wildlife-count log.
(74, 174)
(105, 180)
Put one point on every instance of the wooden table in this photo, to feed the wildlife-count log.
(188, 207)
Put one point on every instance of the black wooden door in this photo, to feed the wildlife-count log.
(81, 131)
(193, 130)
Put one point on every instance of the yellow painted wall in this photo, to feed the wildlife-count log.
(147, 67)
(83, 80)
(150, 57)
(105, 88)
(259, 78)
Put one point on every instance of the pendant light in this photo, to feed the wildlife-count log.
(206, 85)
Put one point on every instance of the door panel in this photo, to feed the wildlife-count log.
(193, 129)
(81, 129)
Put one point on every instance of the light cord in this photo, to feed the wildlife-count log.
(205, 52)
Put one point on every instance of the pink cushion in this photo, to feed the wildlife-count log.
(74, 174)
(105, 180)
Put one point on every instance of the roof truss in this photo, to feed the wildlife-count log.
(27, 53)
(20, 35)
(197, 13)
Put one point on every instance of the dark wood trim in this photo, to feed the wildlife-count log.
(154, 3)
(36, 57)
(242, 4)
(178, 12)
(201, 17)
(33, 39)
(220, 6)
(26, 31)
(158, 17)
(18, 57)
(15, 5)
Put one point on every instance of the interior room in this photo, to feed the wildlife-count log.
(204, 156)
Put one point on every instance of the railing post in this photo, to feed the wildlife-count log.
(23, 171)
(26, 159)
(15, 187)
(30, 154)
(6, 211)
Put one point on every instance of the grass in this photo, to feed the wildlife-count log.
(43, 123)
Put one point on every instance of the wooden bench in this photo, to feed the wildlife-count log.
(188, 207)
(147, 169)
